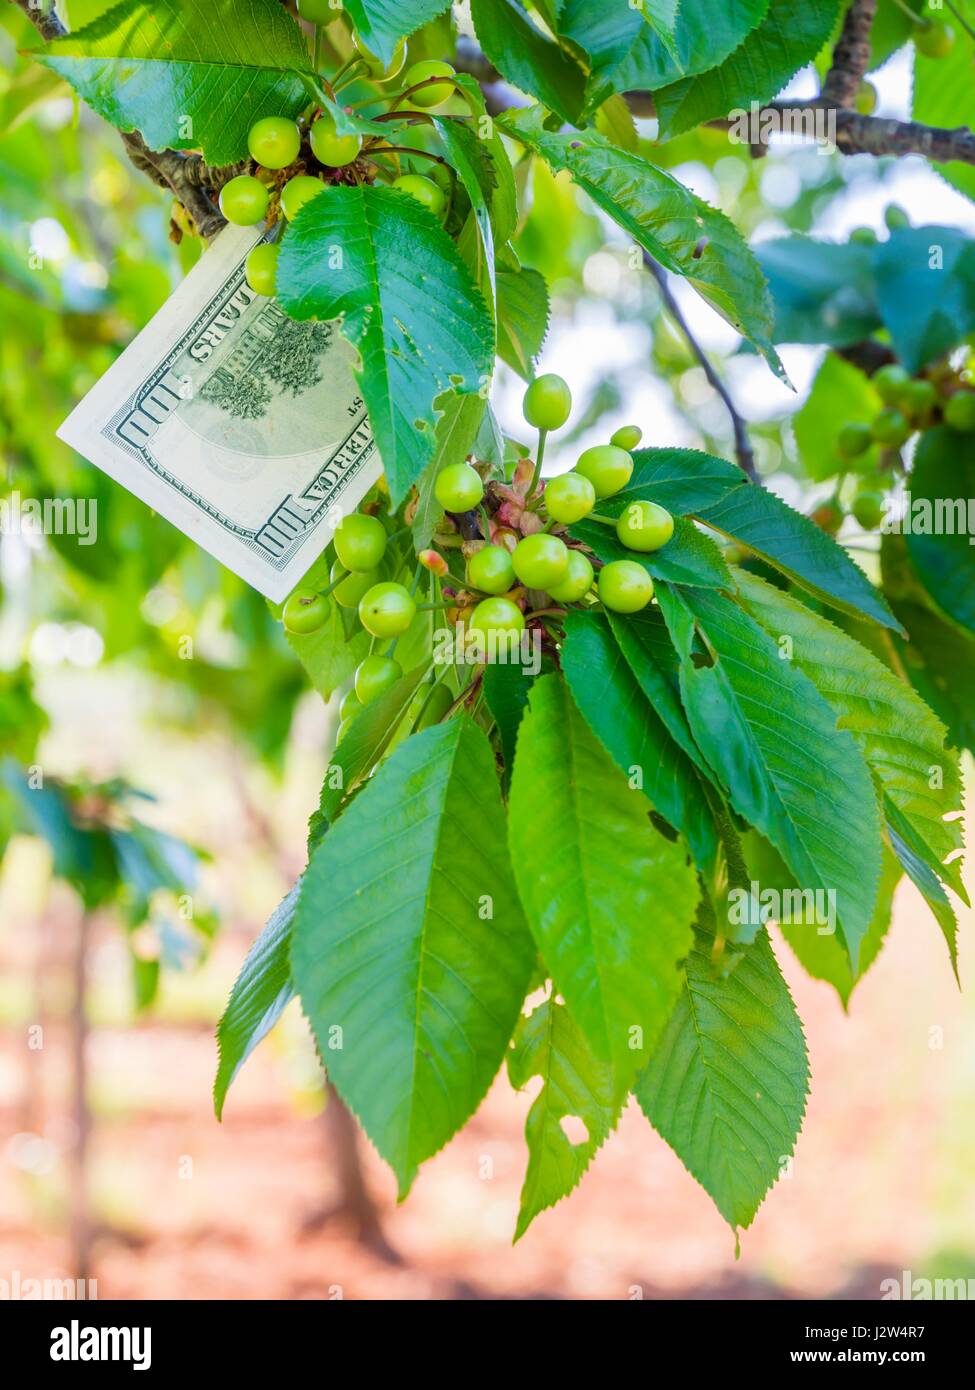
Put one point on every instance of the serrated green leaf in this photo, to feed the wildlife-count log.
(676, 228)
(527, 59)
(902, 740)
(575, 1084)
(929, 885)
(615, 120)
(382, 262)
(634, 48)
(727, 1085)
(467, 156)
(609, 900)
(773, 743)
(689, 557)
(506, 690)
(188, 74)
(789, 37)
(942, 485)
(682, 480)
(814, 946)
(329, 655)
(523, 310)
(382, 23)
(798, 548)
(840, 393)
(260, 995)
(617, 710)
(940, 661)
(393, 945)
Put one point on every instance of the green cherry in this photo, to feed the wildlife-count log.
(644, 526)
(458, 487)
(297, 192)
(244, 200)
(960, 411)
(375, 67)
(329, 147)
(274, 142)
(890, 381)
(607, 467)
(351, 705)
(547, 402)
(424, 190)
(854, 439)
(540, 561)
(261, 268)
(499, 615)
(866, 99)
(569, 498)
(438, 92)
(625, 586)
(628, 437)
(868, 508)
(577, 582)
(891, 429)
(374, 676)
(919, 398)
(490, 570)
(935, 39)
(348, 593)
(360, 542)
(387, 610)
(436, 704)
(305, 611)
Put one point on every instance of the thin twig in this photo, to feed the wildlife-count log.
(743, 449)
(851, 56)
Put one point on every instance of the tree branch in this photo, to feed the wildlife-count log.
(43, 16)
(851, 56)
(743, 449)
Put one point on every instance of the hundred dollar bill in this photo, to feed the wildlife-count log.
(239, 425)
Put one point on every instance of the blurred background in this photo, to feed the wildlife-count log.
(155, 698)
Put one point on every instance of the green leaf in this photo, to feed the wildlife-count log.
(823, 291)
(941, 486)
(798, 548)
(506, 690)
(929, 885)
(615, 120)
(382, 23)
(817, 950)
(467, 155)
(727, 1085)
(493, 167)
(940, 662)
(688, 557)
(383, 264)
(367, 740)
(620, 714)
(902, 741)
(645, 642)
(261, 992)
(527, 59)
(457, 431)
(523, 310)
(410, 940)
(772, 740)
(676, 228)
(840, 393)
(188, 74)
(682, 480)
(789, 37)
(609, 900)
(925, 278)
(575, 1084)
(632, 51)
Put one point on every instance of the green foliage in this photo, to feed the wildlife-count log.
(155, 68)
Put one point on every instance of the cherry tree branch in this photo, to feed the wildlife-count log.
(851, 56)
(743, 448)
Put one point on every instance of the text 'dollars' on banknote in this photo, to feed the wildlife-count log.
(239, 425)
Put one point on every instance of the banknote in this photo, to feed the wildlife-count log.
(241, 426)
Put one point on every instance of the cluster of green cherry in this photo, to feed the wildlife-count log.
(277, 144)
(524, 568)
(910, 404)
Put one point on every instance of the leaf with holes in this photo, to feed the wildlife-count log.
(576, 1087)
(383, 264)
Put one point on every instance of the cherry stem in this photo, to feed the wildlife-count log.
(347, 72)
(429, 607)
(539, 455)
(548, 525)
(418, 86)
(324, 593)
(485, 522)
(603, 520)
(545, 613)
(403, 149)
(317, 59)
